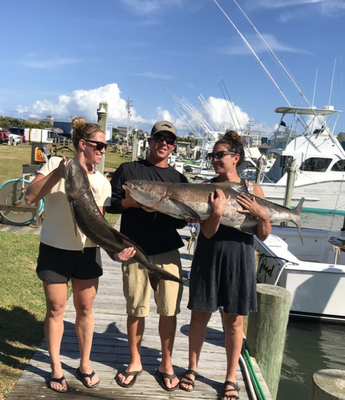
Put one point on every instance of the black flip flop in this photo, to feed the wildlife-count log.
(126, 374)
(90, 376)
(58, 380)
(188, 381)
(161, 376)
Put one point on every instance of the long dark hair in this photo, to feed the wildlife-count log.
(232, 140)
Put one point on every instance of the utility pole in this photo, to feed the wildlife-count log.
(135, 144)
(128, 107)
(102, 116)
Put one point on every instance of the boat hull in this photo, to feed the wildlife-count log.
(316, 283)
(322, 197)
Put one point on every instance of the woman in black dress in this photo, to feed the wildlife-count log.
(223, 269)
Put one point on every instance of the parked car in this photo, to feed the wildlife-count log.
(4, 134)
(57, 137)
(67, 135)
(113, 141)
(15, 130)
(15, 139)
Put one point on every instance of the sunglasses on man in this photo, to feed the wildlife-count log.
(161, 138)
(219, 154)
(99, 145)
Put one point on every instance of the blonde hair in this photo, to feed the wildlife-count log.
(83, 130)
(232, 140)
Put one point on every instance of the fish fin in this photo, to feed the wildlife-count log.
(296, 217)
(186, 211)
(148, 209)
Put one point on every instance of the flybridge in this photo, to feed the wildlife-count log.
(326, 110)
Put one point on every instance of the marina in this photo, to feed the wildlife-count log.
(310, 345)
(319, 158)
(296, 155)
(110, 350)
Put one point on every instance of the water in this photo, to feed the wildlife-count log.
(310, 345)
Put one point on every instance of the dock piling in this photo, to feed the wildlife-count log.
(266, 332)
(328, 384)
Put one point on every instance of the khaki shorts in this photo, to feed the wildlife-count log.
(137, 288)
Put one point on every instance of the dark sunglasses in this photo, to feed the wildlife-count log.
(219, 154)
(99, 145)
(161, 138)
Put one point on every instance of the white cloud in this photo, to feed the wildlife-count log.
(284, 3)
(150, 6)
(50, 63)
(84, 103)
(214, 114)
(152, 75)
(301, 8)
(164, 115)
(238, 47)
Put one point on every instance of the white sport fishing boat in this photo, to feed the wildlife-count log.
(314, 273)
(320, 161)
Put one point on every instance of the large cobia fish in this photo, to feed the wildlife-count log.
(183, 200)
(91, 222)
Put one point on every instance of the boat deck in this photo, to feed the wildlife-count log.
(110, 352)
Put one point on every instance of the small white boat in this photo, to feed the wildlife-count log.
(314, 273)
(320, 161)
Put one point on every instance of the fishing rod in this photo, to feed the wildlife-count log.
(315, 86)
(252, 50)
(187, 121)
(232, 105)
(188, 108)
(273, 54)
(227, 104)
(299, 117)
(194, 112)
(330, 92)
(209, 111)
(285, 70)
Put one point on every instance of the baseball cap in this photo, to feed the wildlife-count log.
(163, 126)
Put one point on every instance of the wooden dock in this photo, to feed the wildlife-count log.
(110, 349)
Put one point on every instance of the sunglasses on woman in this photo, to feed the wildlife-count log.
(99, 145)
(161, 138)
(219, 154)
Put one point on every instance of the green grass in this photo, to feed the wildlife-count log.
(22, 306)
(22, 302)
(14, 157)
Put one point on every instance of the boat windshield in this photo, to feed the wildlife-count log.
(315, 164)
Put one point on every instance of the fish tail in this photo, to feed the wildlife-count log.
(296, 217)
(154, 280)
(156, 274)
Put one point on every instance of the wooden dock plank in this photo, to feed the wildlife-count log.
(110, 351)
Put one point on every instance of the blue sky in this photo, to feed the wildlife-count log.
(64, 57)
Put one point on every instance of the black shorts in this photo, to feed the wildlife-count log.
(58, 265)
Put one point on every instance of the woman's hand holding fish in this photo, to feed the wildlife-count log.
(61, 169)
(125, 254)
(218, 202)
(250, 206)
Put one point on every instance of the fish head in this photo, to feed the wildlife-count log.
(76, 181)
(148, 193)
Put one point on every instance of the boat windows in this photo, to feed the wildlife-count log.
(316, 164)
(339, 166)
